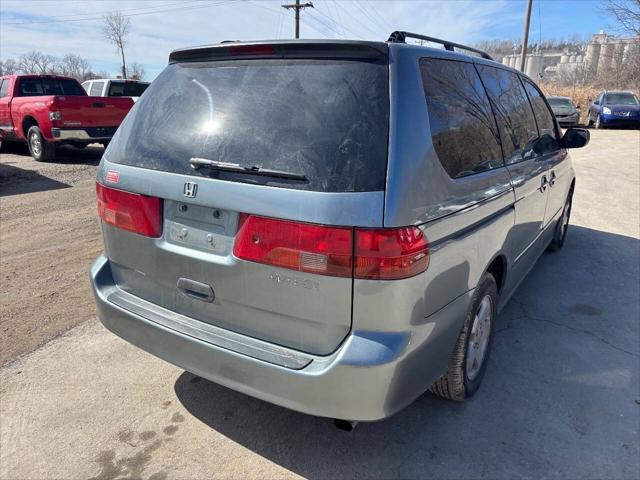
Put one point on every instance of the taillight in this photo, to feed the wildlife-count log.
(297, 246)
(390, 254)
(130, 211)
(380, 254)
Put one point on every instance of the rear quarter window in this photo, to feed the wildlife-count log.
(325, 119)
(463, 128)
(516, 123)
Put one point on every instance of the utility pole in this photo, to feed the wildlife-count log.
(297, 7)
(525, 35)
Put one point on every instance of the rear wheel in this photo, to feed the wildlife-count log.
(562, 226)
(40, 149)
(469, 359)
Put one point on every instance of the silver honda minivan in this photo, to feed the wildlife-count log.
(330, 226)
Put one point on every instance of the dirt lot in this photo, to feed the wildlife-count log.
(560, 399)
(48, 239)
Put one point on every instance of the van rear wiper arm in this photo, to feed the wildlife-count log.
(197, 163)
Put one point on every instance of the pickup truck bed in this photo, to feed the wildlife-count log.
(28, 113)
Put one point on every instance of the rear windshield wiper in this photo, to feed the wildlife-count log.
(197, 163)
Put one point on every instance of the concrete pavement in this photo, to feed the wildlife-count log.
(561, 398)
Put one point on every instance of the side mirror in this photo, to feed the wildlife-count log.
(596, 102)
(575, 138)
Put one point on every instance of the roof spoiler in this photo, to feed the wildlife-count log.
(401, 37)
(231, 50)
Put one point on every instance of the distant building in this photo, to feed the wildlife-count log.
(602, 52)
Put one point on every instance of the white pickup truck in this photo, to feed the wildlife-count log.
(116, 87)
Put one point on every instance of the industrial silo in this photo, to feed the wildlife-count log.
(533, 66)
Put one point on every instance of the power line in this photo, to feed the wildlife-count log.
(339, 25)
(121, 11)
(89, 19)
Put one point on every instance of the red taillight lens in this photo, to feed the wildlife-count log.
(381, 254)
(297, 246)
(130, 211)
(390, 254)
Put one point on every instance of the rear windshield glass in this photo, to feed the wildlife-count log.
(620, 99)
(127, 89)
(559, 102)
(30, 87)
(326, 120)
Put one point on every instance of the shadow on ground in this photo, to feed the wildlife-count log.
(559, 399)
(18, 177)
(15, 180)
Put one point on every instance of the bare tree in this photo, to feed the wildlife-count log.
(626, 13)
(37, 62)
(8, 67)
(136, 71)
(115, 29)
(75, 66)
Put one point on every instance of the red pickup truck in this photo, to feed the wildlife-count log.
(49, 110)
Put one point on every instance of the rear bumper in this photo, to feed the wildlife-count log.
(89, 134)
(371, 376)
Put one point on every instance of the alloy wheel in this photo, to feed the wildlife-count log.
(479, 336)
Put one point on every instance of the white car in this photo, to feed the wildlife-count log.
(117, 87)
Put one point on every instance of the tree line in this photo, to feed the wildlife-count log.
(70, 65)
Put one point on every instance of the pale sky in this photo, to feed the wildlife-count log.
(73, 26)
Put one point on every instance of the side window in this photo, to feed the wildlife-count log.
(86, 86)
(4, 87)
(517, 126)
(544, 118)
(463, 128)
(96, 89)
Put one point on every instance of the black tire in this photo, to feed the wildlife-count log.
(39, 148)
(562, 225)
(80, 146)
(458, 383)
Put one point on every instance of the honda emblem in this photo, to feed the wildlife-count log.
(190, 189)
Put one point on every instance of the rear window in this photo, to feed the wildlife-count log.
(127, 89)
(324, 119)
(31, 87)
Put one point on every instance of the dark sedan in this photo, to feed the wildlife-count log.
(564, 110)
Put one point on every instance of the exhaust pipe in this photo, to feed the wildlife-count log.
(345, 425)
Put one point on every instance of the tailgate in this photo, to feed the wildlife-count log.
(321, 125)
(80, 111)
(192, 270)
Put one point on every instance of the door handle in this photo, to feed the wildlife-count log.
(197, 290)
(543, 183)
(552, 179)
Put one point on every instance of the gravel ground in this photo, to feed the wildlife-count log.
(49, 237)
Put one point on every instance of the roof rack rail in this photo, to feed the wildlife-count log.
(401, 37)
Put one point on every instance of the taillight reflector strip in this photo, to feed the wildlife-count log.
(130, 211)
(374, 254)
